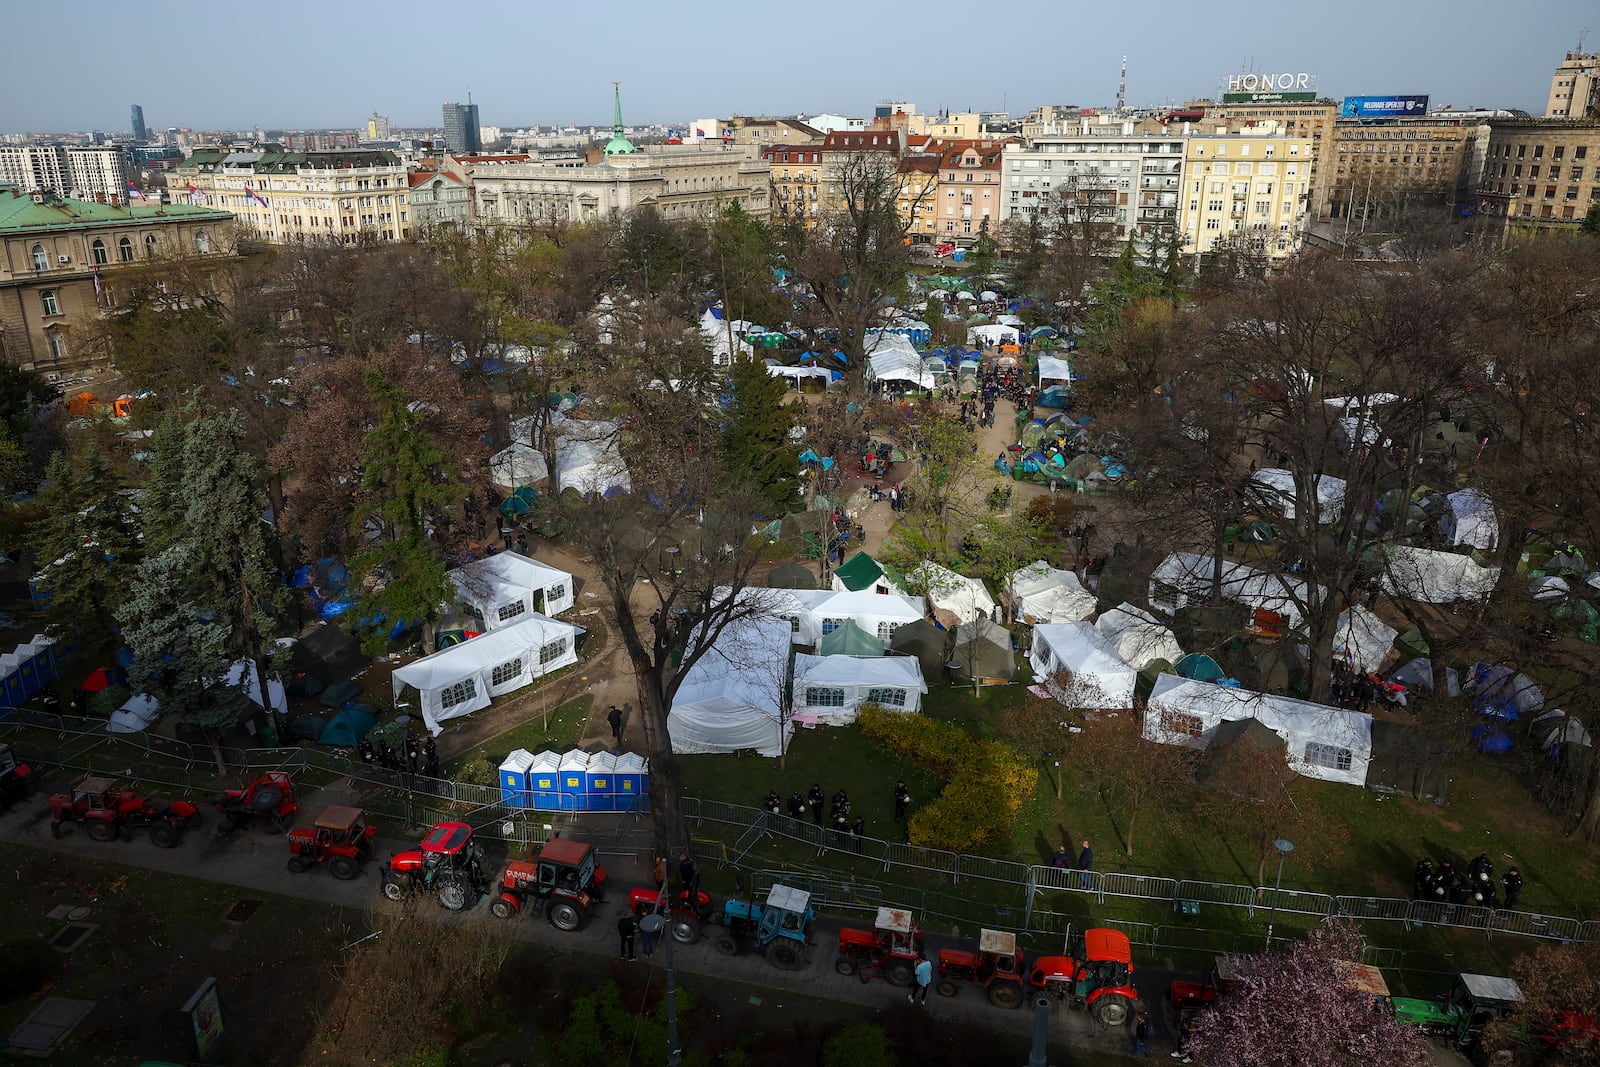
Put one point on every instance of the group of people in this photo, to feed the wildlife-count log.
(416, 755)
(1475, 886)
(1359, 690)
(629, 928)
(838, 820)
(1062, 861)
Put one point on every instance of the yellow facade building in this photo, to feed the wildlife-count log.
(285, 197)
(1251, 187)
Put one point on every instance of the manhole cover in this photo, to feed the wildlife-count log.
(71, 936)
(77, 913)
(241, 910)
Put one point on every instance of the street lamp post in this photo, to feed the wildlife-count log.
(1284, 848)
(656, 926)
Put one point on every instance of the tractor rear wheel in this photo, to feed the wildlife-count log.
(947, 987)
(845, 965)
(265, 799)
(393, 889)
(299, 864)
(344, 868)
(1112, 1010)
(899, 972)
(564, 915)
(726, 944)
(164, 834)
(103, 830)
(454, 894)
(786, 956)
(501, 908)
(1003, 994)
(685, 931)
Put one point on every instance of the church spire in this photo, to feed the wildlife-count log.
(618, 143)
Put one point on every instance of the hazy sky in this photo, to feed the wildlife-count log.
(307, 65)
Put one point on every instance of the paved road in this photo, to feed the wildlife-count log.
(255, 861)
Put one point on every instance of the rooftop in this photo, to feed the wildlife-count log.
(20, 214)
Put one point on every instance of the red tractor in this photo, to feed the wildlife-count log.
(447, 862)
(270, 798)
(341, 838)
(104, 808)
(996, 967)
(683, 914)
(1098, 977)
(16, 779)
(563, 880)
(890, 950)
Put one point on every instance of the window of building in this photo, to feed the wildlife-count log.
(202, 242)
(47, 300)
(1580, 152)
(1538, 151)
(553, 651)
(1522, 151)
(125, 249)
(1533, 171)
(459, 693)
(1194, 205)
(506, 672)
(1333, 757)
(824, 697)
(58, 344)
(97, 252)
(1213, 224)
(1213, 205)
(41, 259)
(1176, 723)
(889, 698)
(149, 246)
(510, 611)
(886, 630)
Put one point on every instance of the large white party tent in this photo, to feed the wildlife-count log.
(461, 679)
(831, 689)
(1323, 742)
(1472, 520)
(1100, 677)
(586, 453)
(895, 359)
(810, 613)
(1041, 593)
(1432, 577)
(1274, 488)
(965, 598)
(732, 699)
(1138, 636)
(1054, 369)
(516, 466)
(500, 589)
(1362, 639)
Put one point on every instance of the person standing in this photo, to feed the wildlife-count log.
(858, 830)
(614, 717)
(902, 799)
(688, 874)
(797, 806)
(816, 797)
(1085, 863)
(1511, 882)
(505, 536)
(924, 976)
(626, 928)
(647, 941)
(659, 872)
(1061, 861)
(1143, 1031)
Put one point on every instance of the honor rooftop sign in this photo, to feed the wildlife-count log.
(1269, 88)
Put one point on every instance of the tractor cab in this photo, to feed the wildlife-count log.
(897, 935)
(340, 824)
(1105, 959)
(1098, 976)
(567, 867)
(96, 794)
(1368, 981)
(1476, 1000)
(788, 914)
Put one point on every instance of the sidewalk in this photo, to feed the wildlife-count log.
(256, 861)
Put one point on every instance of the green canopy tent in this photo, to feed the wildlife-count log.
(792, 575)
(1410, 645)
(1146, 680)
(849, 639)
(1280, 668)
(926, 642)
(1200, 667)
(982, 651)
(862, 573)
(1240, 750)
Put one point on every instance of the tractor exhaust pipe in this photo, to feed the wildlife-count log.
(1041, 1032)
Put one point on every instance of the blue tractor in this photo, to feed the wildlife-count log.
(781, 927)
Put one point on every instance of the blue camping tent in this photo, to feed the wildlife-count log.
(346, 729)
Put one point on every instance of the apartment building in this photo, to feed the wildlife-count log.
(285, 197)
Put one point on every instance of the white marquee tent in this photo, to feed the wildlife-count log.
(1432, 577)
(1138, 637)
(1274, 488)
(965, 598)
(812, 612)
(1185, 577)
(460, 679)
(732, 698)
(1102, 679)
(833, 688)
(586, 453)
(894, 359)
(137, 714)
(993, 334)
(1054, 369)
(1362, 638)
(1471, 520)
(500, 589)
(243, 674)
(1041, 593)
(519, 465)
(1323, 742)
(725, 338)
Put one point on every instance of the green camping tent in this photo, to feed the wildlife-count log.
(792, 575)
(926, 642)
(1147, 677)
(850, 640)
(861, 572)
(982, 649)
(346, 729)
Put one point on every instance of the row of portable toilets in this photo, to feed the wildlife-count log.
(576, 781)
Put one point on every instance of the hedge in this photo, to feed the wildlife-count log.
(987, 781)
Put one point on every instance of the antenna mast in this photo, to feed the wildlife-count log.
(1122, 86)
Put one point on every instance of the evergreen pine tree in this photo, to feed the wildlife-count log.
(756, 451)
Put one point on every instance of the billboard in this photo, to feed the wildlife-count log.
(1268, 98)
(1383, 107)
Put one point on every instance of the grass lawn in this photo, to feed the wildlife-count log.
(556, 731)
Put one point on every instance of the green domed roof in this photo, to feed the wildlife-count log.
(618, 143)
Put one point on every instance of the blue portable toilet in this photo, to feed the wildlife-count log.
(602, 783)
(544, 785)
(572, 779)
(514, 778)
(630, 793)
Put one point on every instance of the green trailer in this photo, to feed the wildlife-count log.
(1475, 1001)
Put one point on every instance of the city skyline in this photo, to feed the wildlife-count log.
(672, 70)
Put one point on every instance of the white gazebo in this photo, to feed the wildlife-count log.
(831, 689)
(1100, 677)
(500, 589)
(461, 679)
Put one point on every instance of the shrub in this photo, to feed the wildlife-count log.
(478, 771)
(988, 781)
(862, 1045)
(30, 966)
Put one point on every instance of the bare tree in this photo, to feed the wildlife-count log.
(1128, 771)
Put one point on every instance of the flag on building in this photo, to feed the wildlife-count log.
(251, 194)
(133, 191)
(698, 132)
(195, 195)
(97, 283)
